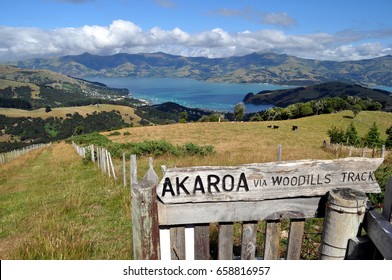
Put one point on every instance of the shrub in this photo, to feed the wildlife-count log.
(352, 137)
(336, 135)
(372, 138)
(91, 138)
(114, 133)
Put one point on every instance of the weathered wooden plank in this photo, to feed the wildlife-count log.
(255, 182)
(145, 226)
(380, 232)
(248, 240)
(195, 213)
(177, 242)
(295, 239)
(272, 236)
(360, 248)
(202, 242)
(225, 241)
(387, 208)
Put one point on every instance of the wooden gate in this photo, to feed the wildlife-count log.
(172, 217)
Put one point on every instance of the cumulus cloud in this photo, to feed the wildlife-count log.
(125, 36)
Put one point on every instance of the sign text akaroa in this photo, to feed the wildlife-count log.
(267, 181)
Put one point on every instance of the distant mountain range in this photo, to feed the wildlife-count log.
(253, 68)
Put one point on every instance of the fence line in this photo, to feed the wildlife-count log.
(9, 156)
(350, 151)
(99, 156)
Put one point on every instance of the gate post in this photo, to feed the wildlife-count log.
(145, 227)
(344, 214)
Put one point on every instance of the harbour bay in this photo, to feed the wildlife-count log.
(188, 92)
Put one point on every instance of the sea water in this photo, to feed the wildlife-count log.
(190, 93)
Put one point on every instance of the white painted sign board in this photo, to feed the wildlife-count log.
(262, 181)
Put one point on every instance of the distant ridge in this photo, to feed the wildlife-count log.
(286, 97)
(252, 68)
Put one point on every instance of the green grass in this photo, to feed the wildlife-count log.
(54, 206)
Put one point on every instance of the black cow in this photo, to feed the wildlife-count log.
(295, 127)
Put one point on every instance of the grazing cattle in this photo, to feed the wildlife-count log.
(295, 127)
(269, 126)
(276, 126)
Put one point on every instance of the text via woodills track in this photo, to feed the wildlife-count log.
(266, 181)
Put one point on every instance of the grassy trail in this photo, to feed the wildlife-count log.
(54, 206)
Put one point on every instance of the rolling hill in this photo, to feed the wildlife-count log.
(44, 87)
(286, 97)
(252, 68)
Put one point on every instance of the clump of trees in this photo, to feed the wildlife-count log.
(316, 107)
(350, 137)
(37, 130)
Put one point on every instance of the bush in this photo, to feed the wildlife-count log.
(388, 142)
(372, 138)
(336, 135)
(352, 137)
(114, 133)
(88, 139)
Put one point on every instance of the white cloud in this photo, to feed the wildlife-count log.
(125, 36)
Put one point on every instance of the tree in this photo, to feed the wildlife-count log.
(336, 135)
(239, 111)
(372, 138)
(356, 109)
(78, 130)
(351, 135)
(306, 110)
(183, 117)
(388, 142)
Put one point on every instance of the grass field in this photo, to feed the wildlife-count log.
(55, 206)
(127, 113)
(239, 143)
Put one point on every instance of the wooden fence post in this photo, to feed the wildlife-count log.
(145, 227)
(344, 214)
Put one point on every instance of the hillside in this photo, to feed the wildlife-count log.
(246, 142)
(286, 97)
(69, 211)
(41, 88)
(127, 113)
(253, 68)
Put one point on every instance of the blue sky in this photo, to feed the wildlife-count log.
(329, 30)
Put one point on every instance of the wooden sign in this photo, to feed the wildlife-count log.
(261, 181)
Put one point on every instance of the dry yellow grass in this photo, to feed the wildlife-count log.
(240, 143)
(126, 112)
